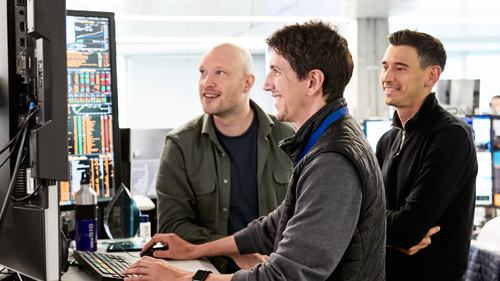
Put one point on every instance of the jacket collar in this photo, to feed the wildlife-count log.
(426, 112)
(295, 144)
(265, 123)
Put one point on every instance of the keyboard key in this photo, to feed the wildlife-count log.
(103, 267)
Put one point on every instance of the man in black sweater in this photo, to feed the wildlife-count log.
(429, 165)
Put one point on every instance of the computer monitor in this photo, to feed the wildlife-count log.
(33, 114)
(375, 129)
(93, 134)
(481, 125)
(141, 151)
(495, 147)
(459, 96)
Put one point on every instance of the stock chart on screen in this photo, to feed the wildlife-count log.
(90, 107)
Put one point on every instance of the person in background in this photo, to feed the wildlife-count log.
(331, 225)
(495, 105)
(428, 160)
(223, 169)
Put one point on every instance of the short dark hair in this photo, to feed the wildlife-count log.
(495, 97)
(429, 49)
(316, 45)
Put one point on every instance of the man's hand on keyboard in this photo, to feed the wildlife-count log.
(178, 248)
(153, 269)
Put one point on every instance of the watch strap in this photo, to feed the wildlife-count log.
(200, 272)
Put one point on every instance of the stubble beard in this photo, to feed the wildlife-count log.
(281, 115)
(225, 108)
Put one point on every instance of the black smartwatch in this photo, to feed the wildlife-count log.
(201, 275)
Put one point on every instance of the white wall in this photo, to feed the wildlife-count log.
(475, 65)
(162, 91)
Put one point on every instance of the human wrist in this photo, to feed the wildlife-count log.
(188, 276)
(201, 275)
(200, 251)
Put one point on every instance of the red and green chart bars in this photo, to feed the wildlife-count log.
(90, 134)
(88, 86)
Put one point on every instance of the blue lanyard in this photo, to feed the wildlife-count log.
(321, 129)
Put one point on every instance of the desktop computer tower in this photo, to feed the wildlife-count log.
(33, 114)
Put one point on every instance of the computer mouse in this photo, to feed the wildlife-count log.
(149, 252)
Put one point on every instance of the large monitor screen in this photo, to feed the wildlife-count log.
(374, 129)
(90, 106)
(496, 159)
(482, 135)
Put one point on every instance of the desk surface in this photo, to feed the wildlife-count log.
(76, 274)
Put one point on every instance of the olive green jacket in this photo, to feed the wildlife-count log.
(193, 182)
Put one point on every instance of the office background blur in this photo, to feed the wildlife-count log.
(160, 43)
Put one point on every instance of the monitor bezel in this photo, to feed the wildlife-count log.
(114, 96)
(490, 117)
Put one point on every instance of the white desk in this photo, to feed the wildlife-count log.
(75, 274)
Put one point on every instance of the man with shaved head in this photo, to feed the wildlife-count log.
(223, 169)
(331, 226)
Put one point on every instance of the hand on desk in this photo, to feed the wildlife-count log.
(155, 269)
(422, 245)
(178, 249)
(149, 268)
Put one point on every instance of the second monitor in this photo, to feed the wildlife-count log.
(93, 133)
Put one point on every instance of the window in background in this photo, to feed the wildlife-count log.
(162, 90)
(122, 91)
(453, 69)
(484, 67)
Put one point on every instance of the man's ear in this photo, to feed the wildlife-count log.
(316, 78)
(249, 80)
(433, 76)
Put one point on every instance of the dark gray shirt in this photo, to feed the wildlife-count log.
(329, 194)
(242, 153)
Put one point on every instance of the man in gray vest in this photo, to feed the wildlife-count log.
(331, 225)
(208, 186)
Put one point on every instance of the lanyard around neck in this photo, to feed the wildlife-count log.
(321, 129)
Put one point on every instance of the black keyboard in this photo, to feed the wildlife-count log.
(102, 267)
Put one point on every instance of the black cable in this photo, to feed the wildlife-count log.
(25, 197)
(10, 153)
(16, 137)
(17, 167)
(33, 111)
(127, 251)
(31, 194)
(25, 154)
(9, 143)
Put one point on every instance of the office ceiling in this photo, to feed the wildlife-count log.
(450, 20)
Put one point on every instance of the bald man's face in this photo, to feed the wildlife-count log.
(495, 103)
(222, 81)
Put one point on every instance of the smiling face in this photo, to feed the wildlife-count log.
(222, 84)
(287, 90)
(403, 80)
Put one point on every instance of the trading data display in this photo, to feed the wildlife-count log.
(90, 118)
(484, 180)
